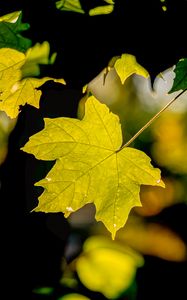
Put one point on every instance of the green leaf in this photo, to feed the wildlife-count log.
(70, 5)
(44, 290)
(180, 80)
(15, 91)
(11, 27)
(94, 269)
(36, 56)
(91, 166)
(127, 65)
(6, 126)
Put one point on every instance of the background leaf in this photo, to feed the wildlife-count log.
(75, 6)
(153, 239)
(38, 55)
(6, 127)
(180, 80)
(70, 5)
(170, 142)
(94, 266)
(11, 28)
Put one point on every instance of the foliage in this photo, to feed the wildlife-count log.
(180, 81)
(75, 6)
(170, 133)
(36, 56)
(73, 297)
(84, 150)
(70, 5)
(93, 163)
(6, 127)
(11, 28)
(16, 89)
(99, 253)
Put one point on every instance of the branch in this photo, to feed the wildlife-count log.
(152, 120)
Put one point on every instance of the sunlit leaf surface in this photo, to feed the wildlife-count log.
(127, 65)
(91, 166)
(16, 91)
(101, 10)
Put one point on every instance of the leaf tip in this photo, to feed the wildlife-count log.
(114, 231)
(114, 234)
(24, 148)
(33, 210)
(160, 182)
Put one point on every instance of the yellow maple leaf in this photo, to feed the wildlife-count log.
(91, 166)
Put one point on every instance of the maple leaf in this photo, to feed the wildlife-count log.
(11, 27)
(14, 89)
(24, 91)
(91, 166)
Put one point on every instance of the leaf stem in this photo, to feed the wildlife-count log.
(152, 120)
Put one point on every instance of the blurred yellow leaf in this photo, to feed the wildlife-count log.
(75, 6)
(155, 200)
(108, 175)
(170, 142)
(3, 146)
(153, 239)
(107, 267)
(11, 28)
(24, 91)
(38, 54)
(6, 126)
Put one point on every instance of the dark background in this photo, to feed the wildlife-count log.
(32, 244)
